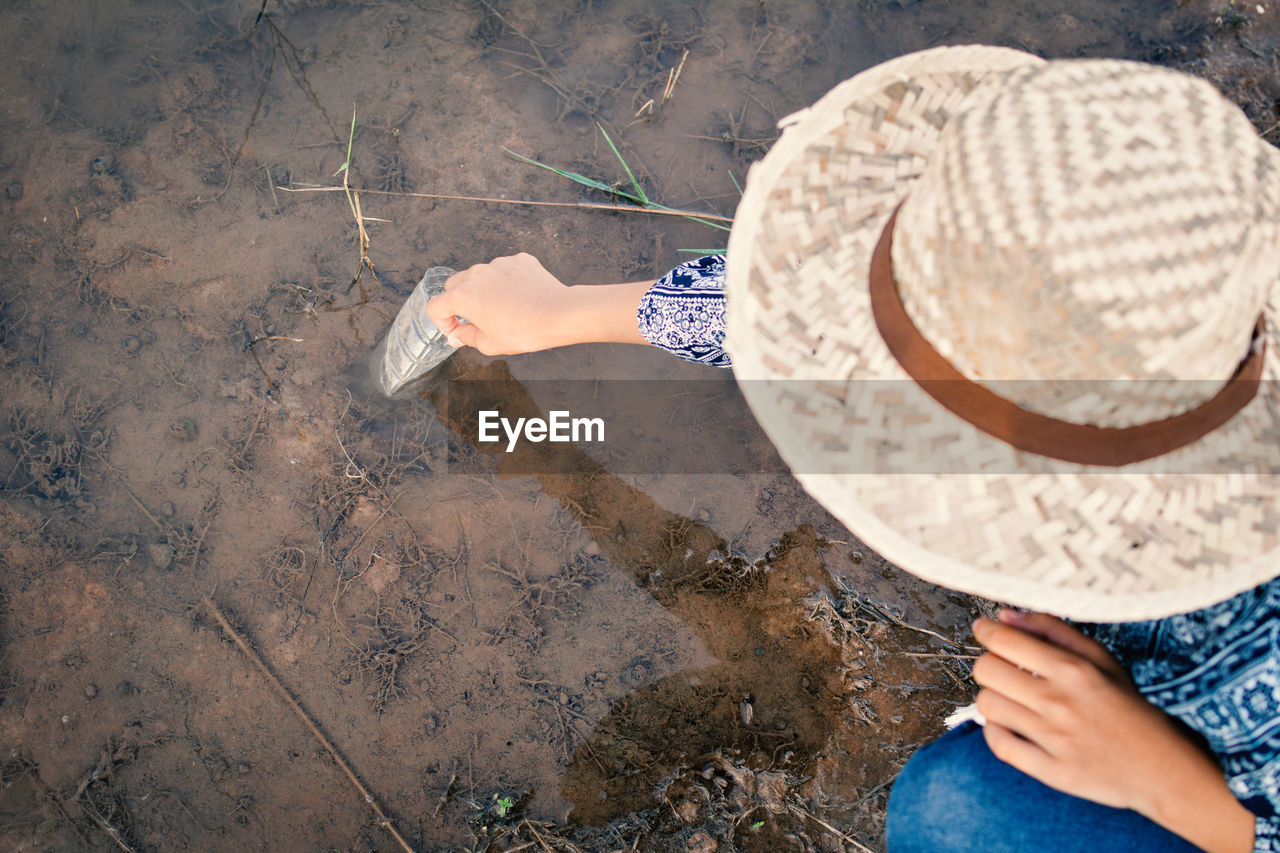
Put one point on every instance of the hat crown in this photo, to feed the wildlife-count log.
(1093, 220)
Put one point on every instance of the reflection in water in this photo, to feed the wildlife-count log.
(781, 690)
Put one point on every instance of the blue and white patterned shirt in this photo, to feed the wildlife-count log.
(1217, 669)
(683, 313)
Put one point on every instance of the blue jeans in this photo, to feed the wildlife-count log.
(955, 795)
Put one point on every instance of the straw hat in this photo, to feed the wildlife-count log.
(1056, 384)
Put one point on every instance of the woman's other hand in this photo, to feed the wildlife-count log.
(514, 305)
(1062, 710)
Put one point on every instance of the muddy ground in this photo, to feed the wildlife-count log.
(205, 511)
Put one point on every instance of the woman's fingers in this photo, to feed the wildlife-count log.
(1008, 746)
(465, 335)
(1064, 636)
(1001, 676)
(510, 305)
(1022, 648)
(441, 310)
(998, 708)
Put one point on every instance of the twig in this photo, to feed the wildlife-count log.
(143, 507)
(524, 846)
(448, 793)
(52, 798)
(152, 252)
(895, 619)
(253, 431)
(862, 848)
(195, 552)
(165, 793)
(585, 205)
(97, 773)
(673, 78)
(251, 344)
(270, 183)
(110, 830)
(728, 137)
(538, 837)
(383, 820)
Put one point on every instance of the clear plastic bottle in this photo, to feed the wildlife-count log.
(413, 345)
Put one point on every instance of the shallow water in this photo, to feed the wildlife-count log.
(187, 416)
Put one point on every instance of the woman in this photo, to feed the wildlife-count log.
(1015, 324)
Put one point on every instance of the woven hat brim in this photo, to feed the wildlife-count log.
(1183, 532)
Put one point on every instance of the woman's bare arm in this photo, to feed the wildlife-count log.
(513, 305)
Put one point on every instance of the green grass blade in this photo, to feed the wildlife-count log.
(350, 139)
(704, 251)
(573, 176)
(634, 183)
(717, 225)
(736, 185)
(641, 200)
(581, 179)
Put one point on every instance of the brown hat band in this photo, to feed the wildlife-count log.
(1001, 418)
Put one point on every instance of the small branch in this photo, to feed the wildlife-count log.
(270, 183)
(251, 344)
(585, 205)
(383, 820)
(861, 848)
(111, 831)
(673, 78)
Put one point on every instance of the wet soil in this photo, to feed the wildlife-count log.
(548, 650)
